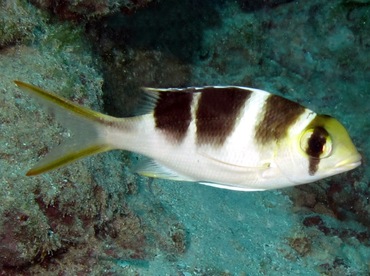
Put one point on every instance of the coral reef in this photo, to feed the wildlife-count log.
(96, 217)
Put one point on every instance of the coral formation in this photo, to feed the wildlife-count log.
(96, 217)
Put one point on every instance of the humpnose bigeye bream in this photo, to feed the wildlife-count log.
(230, 137)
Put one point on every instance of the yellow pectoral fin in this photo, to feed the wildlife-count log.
(151, 168)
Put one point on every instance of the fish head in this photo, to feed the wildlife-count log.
(322, 149)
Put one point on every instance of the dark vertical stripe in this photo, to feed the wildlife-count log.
(172, 114)
(315, 146)
(217, 113)
(278, 115)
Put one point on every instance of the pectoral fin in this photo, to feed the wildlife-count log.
(151, 168)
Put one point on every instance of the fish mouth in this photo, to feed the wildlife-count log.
(349, 163)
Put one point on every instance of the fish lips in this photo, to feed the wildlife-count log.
(349, 163)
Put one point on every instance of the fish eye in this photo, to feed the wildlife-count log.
(316, 142)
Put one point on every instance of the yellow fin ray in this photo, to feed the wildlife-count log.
(58, 157)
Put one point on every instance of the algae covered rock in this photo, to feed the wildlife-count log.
(17, 22)
(55, 55)
(96, 217)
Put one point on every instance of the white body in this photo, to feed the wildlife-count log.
(272, 142)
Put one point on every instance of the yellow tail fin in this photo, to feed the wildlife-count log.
(86, 125)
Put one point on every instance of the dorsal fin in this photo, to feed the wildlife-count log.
(147, 101)
(149, 97)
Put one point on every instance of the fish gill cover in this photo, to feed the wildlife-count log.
(96, 217)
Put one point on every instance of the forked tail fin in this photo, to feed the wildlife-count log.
(87, 126)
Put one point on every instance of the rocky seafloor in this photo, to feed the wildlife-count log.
(95, 217)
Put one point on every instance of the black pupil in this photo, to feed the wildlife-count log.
(317, 142)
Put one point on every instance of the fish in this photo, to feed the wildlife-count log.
(229, 137)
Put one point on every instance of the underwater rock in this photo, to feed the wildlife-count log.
(21, 238)
(143, 69)
(75, 213)
(154, 48)
(76, 10)
(17, 22)
(356, 2)
(302, 245)
(36, 226)
(79, 217)
(253, 5)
